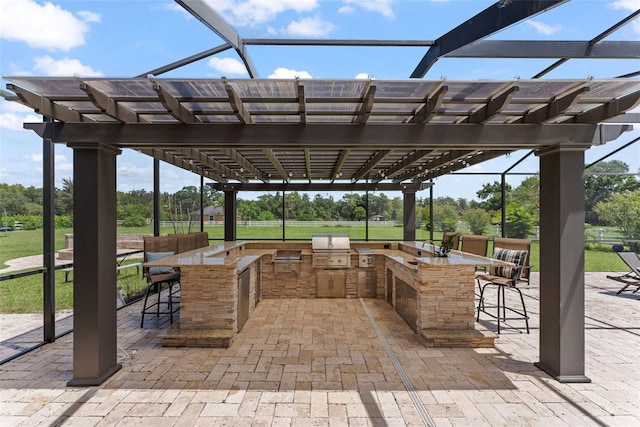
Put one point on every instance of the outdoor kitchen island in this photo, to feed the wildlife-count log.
(222, 284)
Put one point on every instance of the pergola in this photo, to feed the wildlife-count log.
(318, 135)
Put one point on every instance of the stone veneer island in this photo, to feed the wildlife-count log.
(221, 285)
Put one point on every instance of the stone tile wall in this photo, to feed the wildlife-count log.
(446, 297)
(209, 297)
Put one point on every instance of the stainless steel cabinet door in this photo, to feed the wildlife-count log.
(331, 284)
(367, 284)
(244, 282)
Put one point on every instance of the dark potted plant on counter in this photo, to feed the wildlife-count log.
(445, 247)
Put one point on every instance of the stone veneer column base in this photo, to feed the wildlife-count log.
(174, 336)
(460, 338)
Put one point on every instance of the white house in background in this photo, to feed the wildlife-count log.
(210, 213)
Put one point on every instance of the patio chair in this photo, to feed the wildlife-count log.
(186, 242)
(474, 244)
(477, 245)
(159, 278)
(631, 278)
(503, 277)
(202, 239)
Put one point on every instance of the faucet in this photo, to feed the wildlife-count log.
(431, 242)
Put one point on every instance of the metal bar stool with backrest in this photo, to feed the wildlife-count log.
(503, 277)
(158, 278)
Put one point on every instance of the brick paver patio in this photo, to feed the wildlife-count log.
(322, 362)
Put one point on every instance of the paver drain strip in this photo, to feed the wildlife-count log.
(422, 410)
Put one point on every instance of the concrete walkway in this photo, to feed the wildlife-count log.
(27, 262)
(343, 362)
(35, 261)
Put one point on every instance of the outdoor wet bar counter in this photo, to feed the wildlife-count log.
(222, 284)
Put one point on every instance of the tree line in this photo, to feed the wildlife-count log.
(135, 208)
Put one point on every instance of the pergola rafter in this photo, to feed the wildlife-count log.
(335, 174)
(406, 161)
(273, 158)
(246, 126)
(431, 105)
(558, 106)
(493, 107)
(108, 105)
(613, 108)
(371, 163)
(236, 156)
(173, 106)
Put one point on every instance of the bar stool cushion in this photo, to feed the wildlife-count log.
(152, 256)
(516, 257)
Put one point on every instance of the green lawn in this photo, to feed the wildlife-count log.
(24, 295)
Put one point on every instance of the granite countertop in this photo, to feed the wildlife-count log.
(215, 255)
(234, 255)
(428, 257)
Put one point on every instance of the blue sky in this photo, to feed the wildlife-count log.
(126, 38)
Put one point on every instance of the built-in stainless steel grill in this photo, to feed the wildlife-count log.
(330, 250)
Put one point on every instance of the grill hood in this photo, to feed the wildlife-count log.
(330, 243)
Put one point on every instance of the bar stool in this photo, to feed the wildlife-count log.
(159, 278)
(503, 278)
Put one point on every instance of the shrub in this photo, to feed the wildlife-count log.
(623, 211)
(29, 222)
(520, 221)
(64, 221)
(445, 218)
(134, 221)
(478, 220)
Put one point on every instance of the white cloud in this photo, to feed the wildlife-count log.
(14, 107)
(135, 172)
(284, 73)
(346, 9)
(62, 164)
(363, 76)
(543, 28)
(59, 158)
(380, 6)
(63, 67)
(227, 66)
(251, 13)
(12, 121)
(88, 16)
(44, 26)
(631, 5)
(310, 27)
(175, 7)
(13, 115)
